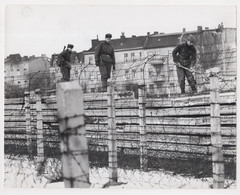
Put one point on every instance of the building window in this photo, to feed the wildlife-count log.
(90, 59)
(25, 71)
(92, 89)
(132, 56)
(140, 55)
(11, 66)
(76, 73)
(127, 75)
(19, 82)
(150, 54)
(150, 72)
(125, 57)
(12, 78)
(18, 72)
(134, 72)
(91, 77)
(98, 76)
(151, 88)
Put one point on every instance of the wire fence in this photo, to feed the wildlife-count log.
(177, 130)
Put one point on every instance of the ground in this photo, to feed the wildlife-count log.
(22, 173)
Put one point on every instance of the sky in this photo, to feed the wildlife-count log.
(45, 29)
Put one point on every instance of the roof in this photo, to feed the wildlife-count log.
(166, 40)
(124, 43)
(149, 41)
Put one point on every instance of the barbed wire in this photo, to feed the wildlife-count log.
(178, 127)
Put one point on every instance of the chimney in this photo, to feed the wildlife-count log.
(161, 33)
(95, 42)
(148, 33)
(155, 32)
(199, 28)
(206, 28)
(133, 35)
(122, 36)
(184, 30)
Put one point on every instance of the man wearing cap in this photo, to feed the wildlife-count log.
(65, 65)
(185, 55)
(105, 60)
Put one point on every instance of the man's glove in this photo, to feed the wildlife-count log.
(191, 70)
(177, 64)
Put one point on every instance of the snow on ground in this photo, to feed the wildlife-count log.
(22, 173)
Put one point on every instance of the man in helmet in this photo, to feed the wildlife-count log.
(185, 55)
(105, 60)
(65, 65)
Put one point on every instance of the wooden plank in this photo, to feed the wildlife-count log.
(14, 101)
(164, 120)
(195, 149)
(161, 138)
(134, 120)
(171, 129)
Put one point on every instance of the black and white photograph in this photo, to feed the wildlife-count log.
(120, 96)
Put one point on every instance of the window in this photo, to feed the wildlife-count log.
(140, 55)
(11, 66)
(25, 71)
(150, 72)
(12, 78)
(127, 75)
(18, 72)
(125, 57)
(90, 59)
(134, 72)
(150, 54)
(92, 89)
(76, 73)
(91, 77)
(157, 54)
(98, 76)
(132, 56)
(19, 82)
(151, 88)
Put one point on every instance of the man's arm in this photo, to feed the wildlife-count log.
(174, 53)
(193, 57)
(97, 55)
(113, 59)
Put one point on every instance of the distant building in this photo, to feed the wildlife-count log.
(19, 70)
(215, 47)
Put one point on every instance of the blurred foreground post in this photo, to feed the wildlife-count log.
(112, 140)
(142, 127)
(28, 124)
(74, 147)
(40, 143)
(216, 139)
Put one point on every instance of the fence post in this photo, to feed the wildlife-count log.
(28, 124)
(216, 139)
(112, 141)
(40, 141)
(74, 146)
(142, 127)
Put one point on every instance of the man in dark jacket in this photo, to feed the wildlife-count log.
(65, 65)
(105, 60)
(185, 55)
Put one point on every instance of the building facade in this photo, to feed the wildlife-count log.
(148, 59)
(19, 70)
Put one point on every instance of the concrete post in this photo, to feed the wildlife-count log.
(74, 146)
